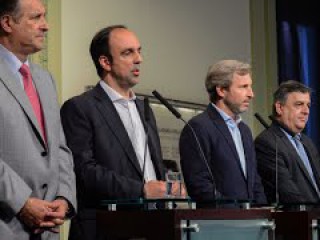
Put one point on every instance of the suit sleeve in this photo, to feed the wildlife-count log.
(258, 189)
(93, 178)
(200, 185)
(67, 184)
(14, 192)
(266, 159)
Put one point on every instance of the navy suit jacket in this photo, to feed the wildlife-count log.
(294, 182)
(106, 165)
(220, 151)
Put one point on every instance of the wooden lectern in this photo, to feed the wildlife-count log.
(176, 224)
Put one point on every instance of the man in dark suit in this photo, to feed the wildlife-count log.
(285, 145)
(227, 167)
(106, 131)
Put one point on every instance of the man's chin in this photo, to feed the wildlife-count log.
(242, 110)
(35, 49)
(134, 82)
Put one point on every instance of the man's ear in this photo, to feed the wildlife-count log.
(5, 22)
(278, 108)
(220, 91)
(105, 63)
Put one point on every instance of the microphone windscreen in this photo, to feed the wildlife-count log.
(146, 109)
(167, 104)
(261, 120)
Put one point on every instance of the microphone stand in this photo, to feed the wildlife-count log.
(203, 157)
(277, 203)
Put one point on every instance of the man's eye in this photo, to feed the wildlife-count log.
(127, 52)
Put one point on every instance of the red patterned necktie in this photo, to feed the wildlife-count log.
(33, 96)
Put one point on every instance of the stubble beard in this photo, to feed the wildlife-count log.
(234, 107)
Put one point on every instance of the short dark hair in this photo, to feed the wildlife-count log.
(100, 46)
(285, 88)
(10, 7)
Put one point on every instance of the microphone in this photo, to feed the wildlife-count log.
(147, 120)
(146, 109)
(167, 104)
(263, 122)
(178, 115)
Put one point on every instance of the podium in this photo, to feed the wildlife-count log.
(186, 224)
(297, 224)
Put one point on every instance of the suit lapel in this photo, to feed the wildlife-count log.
(151, 144)
(12, 84)
(314, 164)
(43, 93)
(112, 118)
(224, 131)
(247, 148)
(293, 151)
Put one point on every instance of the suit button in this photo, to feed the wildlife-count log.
(44, 154)
(44, 186)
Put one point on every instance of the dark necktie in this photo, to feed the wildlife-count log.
(33, 96)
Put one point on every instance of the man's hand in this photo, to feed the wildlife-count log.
(178, 190)
(34, 213)
(42, 215)
(154, 189)
(59, 209)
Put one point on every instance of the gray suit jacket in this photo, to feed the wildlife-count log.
(29, 167)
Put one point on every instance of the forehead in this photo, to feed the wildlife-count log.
(29, 6)
(298, 97)
(238, 79)
(122, 39)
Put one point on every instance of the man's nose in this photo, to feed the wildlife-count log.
(44, 25)
(138, 58)
(250, 93)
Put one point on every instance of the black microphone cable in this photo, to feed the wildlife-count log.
(178, 116)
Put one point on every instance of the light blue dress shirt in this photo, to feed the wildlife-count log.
(297, 144)
(236, 136)
(14, 64)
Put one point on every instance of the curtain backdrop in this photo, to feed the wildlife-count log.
(299, 52)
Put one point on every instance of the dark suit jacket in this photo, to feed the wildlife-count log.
(221, 154)
(294, 183)
(106, 165)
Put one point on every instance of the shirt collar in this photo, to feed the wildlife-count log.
(285, 129)
(226, 117)
(290, 135)
(13, 62)
(114, 95)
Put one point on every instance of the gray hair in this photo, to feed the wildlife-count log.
(221, 75)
